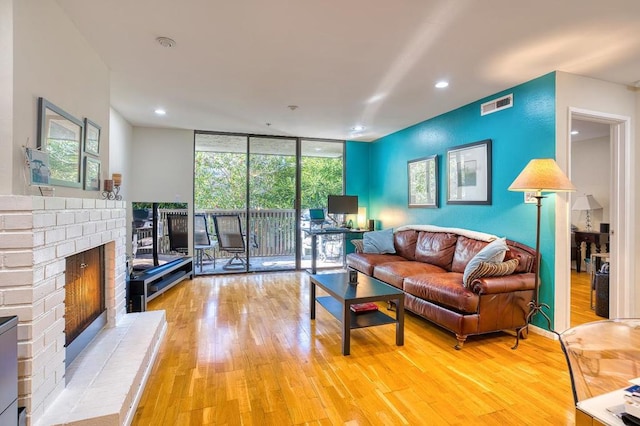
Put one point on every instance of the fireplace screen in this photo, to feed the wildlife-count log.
(84, 291)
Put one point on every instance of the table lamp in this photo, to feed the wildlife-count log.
(540, 175)
(586, 203)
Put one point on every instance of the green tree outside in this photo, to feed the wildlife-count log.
(220, 181)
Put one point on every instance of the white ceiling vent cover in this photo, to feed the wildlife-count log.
(497, 104)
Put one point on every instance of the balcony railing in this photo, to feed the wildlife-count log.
(271, 232)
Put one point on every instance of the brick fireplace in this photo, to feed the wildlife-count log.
(37, 234)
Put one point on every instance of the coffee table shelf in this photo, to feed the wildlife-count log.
(342, 295)
(360, 320)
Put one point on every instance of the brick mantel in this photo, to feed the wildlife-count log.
(36, 236)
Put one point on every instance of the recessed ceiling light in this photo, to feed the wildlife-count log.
(574, 132)
(160, 111)
(357, 128)
(442, 84)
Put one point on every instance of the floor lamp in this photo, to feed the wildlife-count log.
(540, 175)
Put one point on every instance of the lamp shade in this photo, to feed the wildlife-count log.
(586, 202)
(542, 175)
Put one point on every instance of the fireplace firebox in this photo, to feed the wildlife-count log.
(85, 313)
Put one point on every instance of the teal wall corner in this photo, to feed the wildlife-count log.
(518, 134)
(357, 171)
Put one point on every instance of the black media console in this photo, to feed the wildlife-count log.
(144, 286)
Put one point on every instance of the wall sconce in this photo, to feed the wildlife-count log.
(112, 187)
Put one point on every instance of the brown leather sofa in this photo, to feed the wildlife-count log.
(428, 266)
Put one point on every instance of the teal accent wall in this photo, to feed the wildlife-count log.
(357, 171)
(518, 134)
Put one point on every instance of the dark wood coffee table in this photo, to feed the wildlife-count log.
(342, 295)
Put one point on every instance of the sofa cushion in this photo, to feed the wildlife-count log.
(405, 242)
(436, 248)
(365, 263)
(379, 242)
(394, 272)
(493, 253)
(525, 255)
(466, 249)
(444, 289)
(490, 269)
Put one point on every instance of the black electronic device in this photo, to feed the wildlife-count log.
(342, 204)
(316, 215)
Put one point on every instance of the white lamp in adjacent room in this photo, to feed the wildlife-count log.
(586, 203)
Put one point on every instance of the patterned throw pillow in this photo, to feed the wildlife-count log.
(493, 252)
(359, 245)
(488, 269)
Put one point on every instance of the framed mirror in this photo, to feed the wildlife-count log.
(61, 135)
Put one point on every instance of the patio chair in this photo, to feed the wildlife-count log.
(231, 239)
(202, 240)
(178, 230)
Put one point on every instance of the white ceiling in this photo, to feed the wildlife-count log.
(239, 64)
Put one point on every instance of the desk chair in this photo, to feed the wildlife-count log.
(202, 243)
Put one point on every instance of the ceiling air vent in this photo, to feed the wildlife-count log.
(496, 104)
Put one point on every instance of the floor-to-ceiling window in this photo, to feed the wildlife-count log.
(269, 183)
(321, 174)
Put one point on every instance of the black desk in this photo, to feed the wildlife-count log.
(326, 231)
(597, 238)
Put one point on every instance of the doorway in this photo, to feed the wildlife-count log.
(620, 220)
(591, 175)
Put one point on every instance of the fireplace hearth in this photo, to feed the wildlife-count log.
(38, 235)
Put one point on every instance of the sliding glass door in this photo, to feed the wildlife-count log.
(269, 183)
(220, 195)
(321, 174)
(272, 201)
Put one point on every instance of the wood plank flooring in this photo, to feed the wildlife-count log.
(581, 311)
(242, 350)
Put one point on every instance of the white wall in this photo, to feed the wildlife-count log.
(6, 100)
(578, 92)
(591, 174)
(52, 60)
(120, 149)
(163, 165)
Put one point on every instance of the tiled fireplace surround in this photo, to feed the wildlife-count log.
(37, 234)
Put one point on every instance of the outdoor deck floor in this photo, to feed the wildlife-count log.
(262, 264)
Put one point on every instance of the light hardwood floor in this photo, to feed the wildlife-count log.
(242, 350)
(581, 311)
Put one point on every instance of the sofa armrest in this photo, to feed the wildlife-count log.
(504, 284)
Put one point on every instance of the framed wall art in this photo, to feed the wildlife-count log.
(91, 137)
(469, 173)
(60, 135)
(91, 174)
(422, 177)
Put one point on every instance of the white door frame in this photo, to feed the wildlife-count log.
(622, 227)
